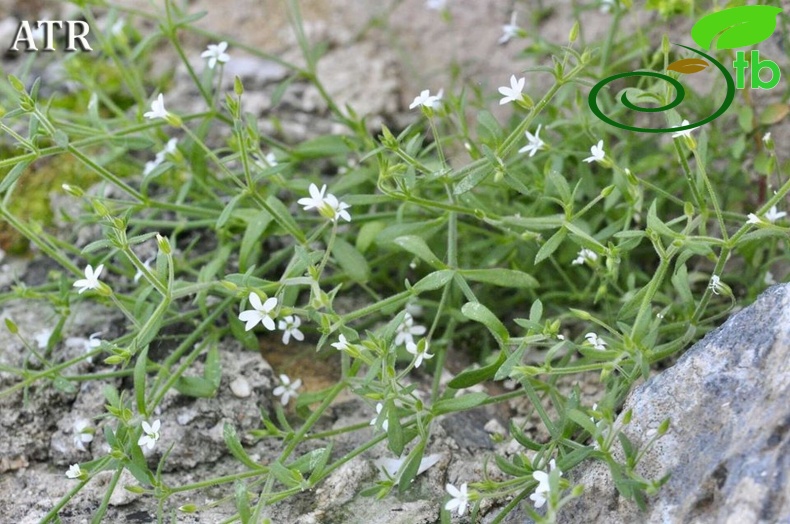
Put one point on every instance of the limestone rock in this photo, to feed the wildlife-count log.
(728, 448)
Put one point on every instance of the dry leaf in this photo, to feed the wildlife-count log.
(688, 66)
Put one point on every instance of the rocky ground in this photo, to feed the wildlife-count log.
(415, 49)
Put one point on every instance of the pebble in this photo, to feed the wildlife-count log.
(240, 387)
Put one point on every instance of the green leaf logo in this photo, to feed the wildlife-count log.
(736, 27)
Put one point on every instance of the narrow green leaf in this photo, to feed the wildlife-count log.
(395, 437)
(479, 313)
(235, 448)
(13, 175)
(139, 380)
(451, 405)
(501, 277)
(367, 234)
(351, 261)
(551, 245)
(582, 419)
(288, 477)
(242, 499)
(470, 377)
(213, 369)
(195, 387)
(418, 247)
(433, 280)
(411, 467)
(512, 361)
(252, 239)
(654, 223)
(583, 236)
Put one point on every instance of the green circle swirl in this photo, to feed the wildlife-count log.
(680, 94)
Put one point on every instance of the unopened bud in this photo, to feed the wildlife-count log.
(574, 32)
(238, 88)
(72, 190)
(164, 244)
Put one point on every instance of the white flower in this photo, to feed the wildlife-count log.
(342, 344)
(216, 53)
(773, 214)
(270, 159)
(170, 147)
(157, 108)
(74, 471)
(686, 132)
(406, 331)
(769, 280)
(606, 5)
(391, 466)
(260, 313)
(290, 327)
(595, 341)
(543, 488)
(514, 92)
(287, 389)
(539, 498)
(535, 143)
(91, 280)
(150, 434)
(767, 137)
(460, 498)
(42, 338)
(509, 31)
(597, 152)
(753, 219)
(83, 433)
(149, 167)
(585, 255)
(385, 423)
(92, 343)
(715, 284)
(426, 99)
(328, 206)
(436, 5)
(420, 351)
(147, 264)
(117, 27)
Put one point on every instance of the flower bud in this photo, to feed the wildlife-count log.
(174, 120)
(164, 244)
(72, 190)
(238, 88)
(574, 34)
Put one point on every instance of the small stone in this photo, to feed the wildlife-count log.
(240, 387)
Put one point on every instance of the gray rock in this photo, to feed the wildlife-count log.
(728, 448)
